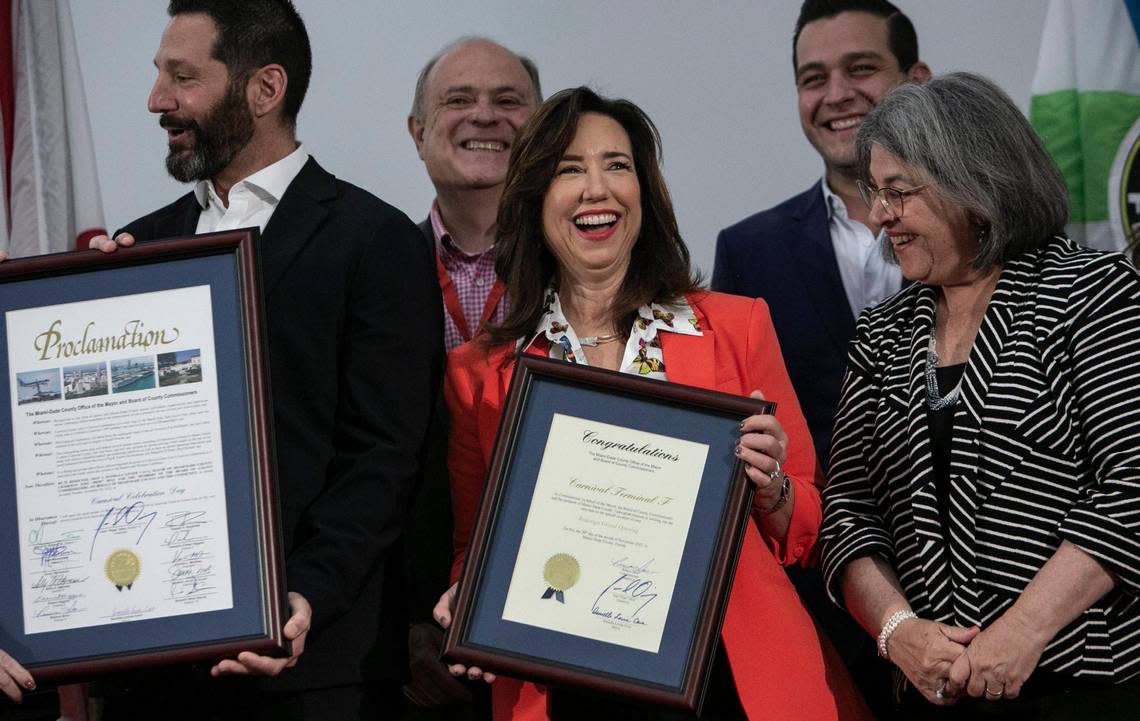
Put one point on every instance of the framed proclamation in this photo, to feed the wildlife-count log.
(608, 534)
(138, 517)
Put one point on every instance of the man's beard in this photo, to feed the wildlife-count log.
(222, 134)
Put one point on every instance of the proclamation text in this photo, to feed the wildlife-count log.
(118, 455)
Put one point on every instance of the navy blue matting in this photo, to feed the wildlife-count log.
(246, 617)
(545, 397)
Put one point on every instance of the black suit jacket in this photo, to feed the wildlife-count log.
(784, 255)
(428, 535)
(354, 323)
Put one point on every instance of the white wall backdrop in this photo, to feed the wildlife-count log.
(716, 76)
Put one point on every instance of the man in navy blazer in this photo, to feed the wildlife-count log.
(815, 259)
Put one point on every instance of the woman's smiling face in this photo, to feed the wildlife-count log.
(591, 213)
(934, 241)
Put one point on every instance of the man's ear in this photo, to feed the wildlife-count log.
(919, 73)
(266, 89)
(416, 130)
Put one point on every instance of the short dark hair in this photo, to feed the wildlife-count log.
(965, 137)
(660, 269)
(901, 37)
(255, 33)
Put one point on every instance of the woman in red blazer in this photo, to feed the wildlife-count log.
(597, 273)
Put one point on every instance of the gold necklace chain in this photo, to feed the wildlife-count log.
(596, 340)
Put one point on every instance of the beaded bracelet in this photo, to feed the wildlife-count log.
(889, 628)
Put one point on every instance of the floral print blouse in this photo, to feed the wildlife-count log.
(642, 350)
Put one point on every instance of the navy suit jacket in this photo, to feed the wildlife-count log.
(355, 334)
(784, 256)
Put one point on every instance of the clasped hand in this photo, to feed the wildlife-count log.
(925, 651)
(946, 662)
(999, 660)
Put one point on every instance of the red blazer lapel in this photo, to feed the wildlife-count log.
(690, 359)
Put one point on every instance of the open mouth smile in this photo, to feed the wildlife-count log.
(901, 240)
(844, 123)
(486, 146)
(596, 225)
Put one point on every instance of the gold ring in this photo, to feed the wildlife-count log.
(994, 694)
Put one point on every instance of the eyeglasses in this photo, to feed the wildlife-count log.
(890, 198)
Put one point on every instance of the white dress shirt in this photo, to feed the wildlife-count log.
(252, 199)
(868, 279)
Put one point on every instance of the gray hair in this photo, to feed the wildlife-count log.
(421, 81)
(969, 140)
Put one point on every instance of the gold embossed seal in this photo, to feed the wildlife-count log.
(122, 568)
(561, 572)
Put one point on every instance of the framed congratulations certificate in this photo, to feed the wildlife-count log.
(138, 521)
(608, 534)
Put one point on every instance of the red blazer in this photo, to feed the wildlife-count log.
(782, 668)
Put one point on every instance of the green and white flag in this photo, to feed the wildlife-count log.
(1086, 108)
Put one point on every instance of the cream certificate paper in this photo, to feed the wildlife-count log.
(118, 455)
(607, 526)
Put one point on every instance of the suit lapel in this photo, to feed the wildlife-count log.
(178, 220)
(922, 494)
(187, 219)
(810, 247)
(427, 232)
(955, 565)
(690, 359)
(965, 493)
(295, 221)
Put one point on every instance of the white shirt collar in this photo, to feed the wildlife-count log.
(833, 202)
(269, 183)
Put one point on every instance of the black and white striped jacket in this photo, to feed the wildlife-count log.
(1046, 447)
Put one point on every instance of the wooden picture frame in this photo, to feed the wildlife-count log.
(139, 523)
(563, 508)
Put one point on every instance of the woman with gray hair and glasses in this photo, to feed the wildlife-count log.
(983, 514)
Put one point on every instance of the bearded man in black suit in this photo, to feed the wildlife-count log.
(354, 322)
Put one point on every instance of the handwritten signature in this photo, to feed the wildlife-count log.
(183, 556)
(124, 518)
(187, 581)
(38, 535)
(53, 553)
(625, 589)
(185, 519)
(130, 612)
(56, 581)
(633, 569)
(57, 607)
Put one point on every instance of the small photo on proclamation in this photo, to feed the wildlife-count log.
(184, 366)
(36, 386)
(132, 374)
(85, 381)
